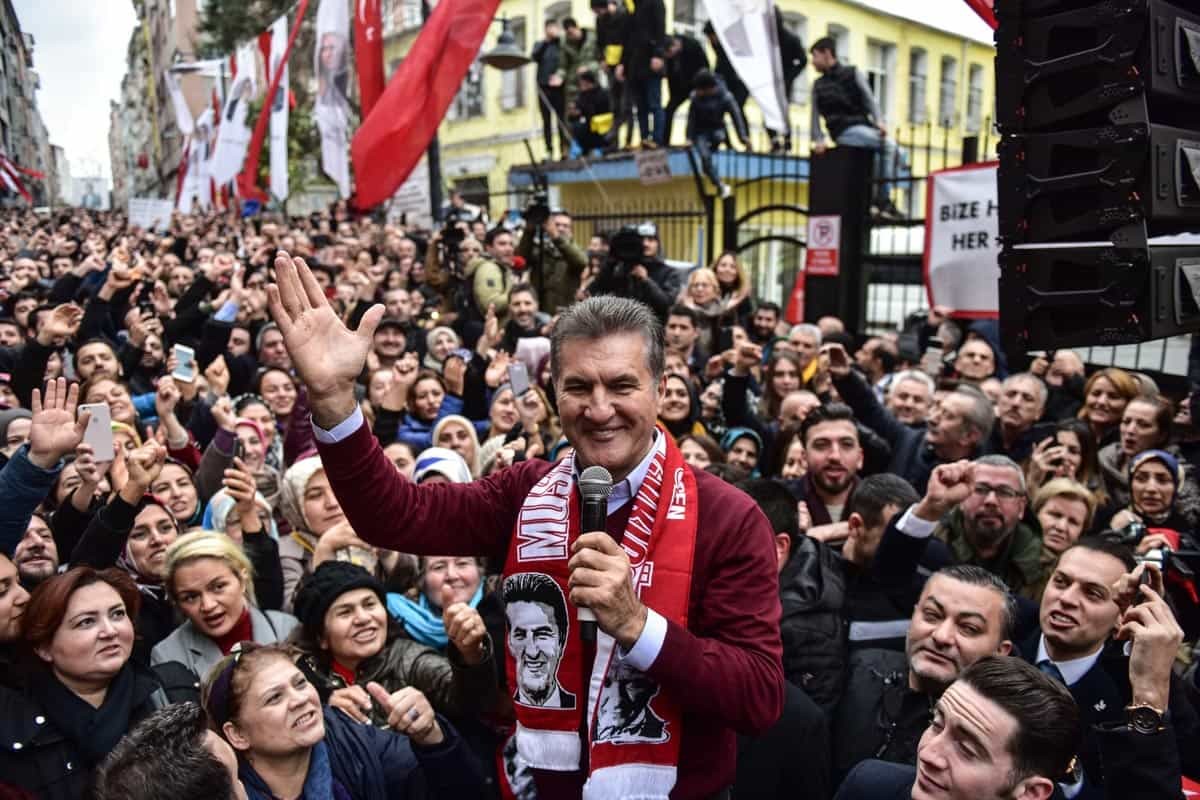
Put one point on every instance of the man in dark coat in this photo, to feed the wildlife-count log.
(546, 54)
(685, 59)
(643, 63)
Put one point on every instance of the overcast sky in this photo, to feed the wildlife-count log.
(79, 53)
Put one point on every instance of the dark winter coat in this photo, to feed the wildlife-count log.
(812, 591)
(40, 756)
(374, 764)
(646, 39)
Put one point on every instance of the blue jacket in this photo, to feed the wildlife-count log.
(23, 486)
(375, 764)
(418, 434)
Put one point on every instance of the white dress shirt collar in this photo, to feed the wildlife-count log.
(1073, 670)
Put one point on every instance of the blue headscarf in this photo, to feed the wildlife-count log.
(422, 622)
(733, 434)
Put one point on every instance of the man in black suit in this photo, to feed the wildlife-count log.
(1087, 598)
(1137, 750)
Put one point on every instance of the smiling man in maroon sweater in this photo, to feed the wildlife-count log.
(698, 638)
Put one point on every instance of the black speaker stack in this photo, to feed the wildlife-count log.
(1098, 106)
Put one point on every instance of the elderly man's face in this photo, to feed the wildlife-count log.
(805, 345)
(1020, 404)
(909, 401)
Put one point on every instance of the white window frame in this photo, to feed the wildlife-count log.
(975, 78)
(918, 86)
(880, 66)
(798, 24)
(841, 39)
(513, 82)
(948, 93)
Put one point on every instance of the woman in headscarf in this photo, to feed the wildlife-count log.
(457, 433)
(253, 407)
(133, 533)
(439, 343)
(1154, 480)
(742, 447)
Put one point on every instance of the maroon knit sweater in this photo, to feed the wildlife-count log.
(724, 667)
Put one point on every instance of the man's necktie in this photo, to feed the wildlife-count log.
(1048, 667)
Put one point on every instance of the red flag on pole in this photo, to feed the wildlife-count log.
(390, 142)
(248, 179)
(985, 9)
(368, 52)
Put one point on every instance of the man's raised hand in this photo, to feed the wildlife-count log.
(327, 355)
(54, 431)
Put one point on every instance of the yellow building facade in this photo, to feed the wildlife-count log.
(929, 61)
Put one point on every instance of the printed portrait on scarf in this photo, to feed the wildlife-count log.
(624, 715)
(536, 612)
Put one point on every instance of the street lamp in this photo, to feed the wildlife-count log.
(505, 55)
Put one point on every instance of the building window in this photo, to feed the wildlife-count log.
(918, 77)
(948, 100)
(841, 39)
(881, 58)
(512, 82)
(470, 100)
(557, 12)
(974, 98)
(400, 15)
(690, 16)
(798, 24)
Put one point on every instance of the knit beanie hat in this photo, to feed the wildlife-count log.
(444, 462)
(318, 591)
(295, 481)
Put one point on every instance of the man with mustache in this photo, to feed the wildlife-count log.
(986, 528)
(964, 614)
(36, 555)
(831, 445)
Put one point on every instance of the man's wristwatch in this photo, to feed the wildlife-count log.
(1144, 718)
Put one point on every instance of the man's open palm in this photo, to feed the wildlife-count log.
(327, 355)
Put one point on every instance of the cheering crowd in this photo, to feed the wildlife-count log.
(287, 509)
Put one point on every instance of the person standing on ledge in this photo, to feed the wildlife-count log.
(667, 580)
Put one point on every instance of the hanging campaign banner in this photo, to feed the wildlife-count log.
(747, 32)
(962, 246)
(332, 106)
(183, 115)
(279, 110)
(233, 134)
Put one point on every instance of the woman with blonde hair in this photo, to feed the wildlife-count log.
(703, 296)
(733, 283)
(1064, 508)
(211, 582)
(1105, 396)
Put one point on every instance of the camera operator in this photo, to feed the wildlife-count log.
(636, 270)
(555, 262)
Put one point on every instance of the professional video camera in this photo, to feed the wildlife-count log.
(451, 239)
(539, 209)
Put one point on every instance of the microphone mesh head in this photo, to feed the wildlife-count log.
(595, 481)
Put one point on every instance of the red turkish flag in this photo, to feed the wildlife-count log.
(985, 9)
(368, 52)
(391, 140)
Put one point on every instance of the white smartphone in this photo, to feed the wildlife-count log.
(518, 377)
(99, 432)
(185, 368)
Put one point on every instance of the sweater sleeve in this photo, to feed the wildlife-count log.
(105, 536)
(389, 511)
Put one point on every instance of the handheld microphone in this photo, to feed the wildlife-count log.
(595, 485)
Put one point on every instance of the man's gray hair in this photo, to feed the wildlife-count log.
(608, 315)
(982, 414)
(1042, 392)
(913, 375)
(808, 328)
(997, 460)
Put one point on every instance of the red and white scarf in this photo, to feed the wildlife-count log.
(634, 727)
